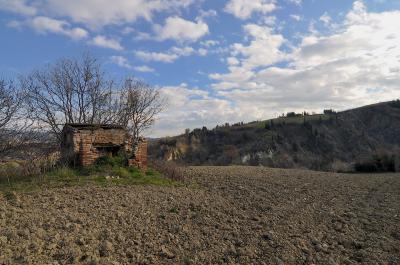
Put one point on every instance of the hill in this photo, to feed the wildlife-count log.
(330, 141)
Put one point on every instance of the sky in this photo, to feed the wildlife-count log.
(219, 61)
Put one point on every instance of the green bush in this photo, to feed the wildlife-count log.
(112, 161)
(135, 172)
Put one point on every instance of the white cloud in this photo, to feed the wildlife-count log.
(190, 108)
(143, 36)
(105, 42)
(156, 56)
(341, 69)
(206, 14)
(124, 63)
(181, 30)
(297, 2)
(202, 52)
(144, 69)
(296, 17)
(326, 19)
(263, 49)
(121, 62)
(269, 21)
(182, 51)
(171, 55)
(232, 61)
(17, 6)
(210, 43)
(127, 30)
(95, 13)
(243, 9)
(45, 25)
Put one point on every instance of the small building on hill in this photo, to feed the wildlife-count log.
(83, 144)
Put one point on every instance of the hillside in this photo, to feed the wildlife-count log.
(331, 141)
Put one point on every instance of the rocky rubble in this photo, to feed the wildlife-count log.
(224, 215)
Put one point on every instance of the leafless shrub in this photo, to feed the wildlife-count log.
(33, 168)
(46, 163)
(169, 169)
(341, 167)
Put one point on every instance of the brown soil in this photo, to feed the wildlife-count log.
(234, 215)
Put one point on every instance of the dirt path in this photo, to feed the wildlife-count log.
(234, 215)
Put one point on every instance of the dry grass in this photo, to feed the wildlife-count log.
(169, 170)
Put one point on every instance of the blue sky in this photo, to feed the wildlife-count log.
(219, 61)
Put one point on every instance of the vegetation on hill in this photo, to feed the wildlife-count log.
(335, 141)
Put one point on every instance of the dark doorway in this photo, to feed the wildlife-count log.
(108, 150)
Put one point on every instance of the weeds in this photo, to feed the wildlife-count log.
(63, 173)
(121, 172)
(173, 210)
(10, 196)
(107, 171)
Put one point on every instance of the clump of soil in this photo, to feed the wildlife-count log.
(225, 215)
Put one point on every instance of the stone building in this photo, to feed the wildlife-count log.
(83, 144)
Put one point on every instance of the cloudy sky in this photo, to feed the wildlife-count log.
(219, 61)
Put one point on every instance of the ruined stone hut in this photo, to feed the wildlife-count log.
(83, 144)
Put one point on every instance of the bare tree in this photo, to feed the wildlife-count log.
(70, 91)
(9, 102)
(14, 122)
(77, 91)
(139, 105)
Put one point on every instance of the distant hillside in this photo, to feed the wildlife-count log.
(327, 141)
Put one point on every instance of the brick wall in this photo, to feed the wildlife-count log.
(90, 141)
(140, 156)
(84, 146)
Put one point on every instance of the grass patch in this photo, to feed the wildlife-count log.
(106, 173)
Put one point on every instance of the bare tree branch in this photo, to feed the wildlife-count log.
(140, 104)
(70, 91)
(14, 121)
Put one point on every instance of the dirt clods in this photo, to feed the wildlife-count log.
(224, 215)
